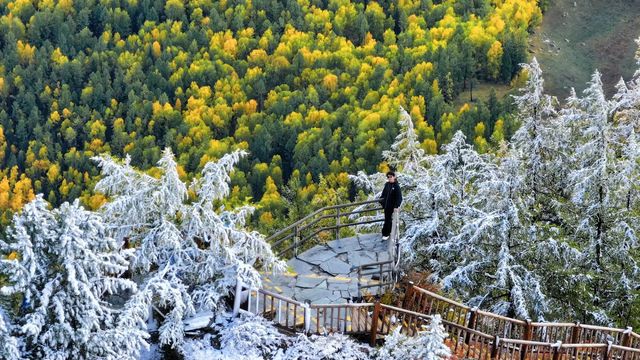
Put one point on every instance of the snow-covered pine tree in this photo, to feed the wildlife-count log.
(428, 344)
(604, 171)
(532, 140)
(189, 252)
(491, 260)
(442, 199)
(540, 145)
(406, 154)
(66, 265)
(9, 347)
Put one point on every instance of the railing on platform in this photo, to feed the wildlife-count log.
(387, 271)
(381, 275)
(425, 302)
(295, 316)
(328, 220)
(377, 320)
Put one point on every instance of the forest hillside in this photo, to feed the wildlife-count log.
(310, 88)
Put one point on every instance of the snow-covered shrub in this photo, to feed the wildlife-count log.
(189, 252)
(66, 265)
(331, 347)
(251, 336)
(9, 347)
(426, 345)
(395, 346)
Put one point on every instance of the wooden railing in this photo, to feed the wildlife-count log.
(425, 302)
(375, 320)
(326, 221)
(386, 277)
(295, 316)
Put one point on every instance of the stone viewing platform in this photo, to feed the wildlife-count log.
(327, 273)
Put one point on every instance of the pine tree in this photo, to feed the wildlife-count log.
(442, 197)
(188, 252)
(406, 155)
(67, 265)
(428, 344)
(605, 167)
(9, 347)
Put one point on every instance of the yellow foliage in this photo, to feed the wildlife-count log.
(156, 49)
(430, 146)
(330, 82)
(494, 56)
(231, 47)
(53, 173)
(5, 190)
(58, 57)
(54, 117)
(25, 51)
(66, 6)
(464, 108)
(266, 218)
(3, 144)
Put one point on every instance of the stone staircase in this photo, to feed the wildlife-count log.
(327, 274)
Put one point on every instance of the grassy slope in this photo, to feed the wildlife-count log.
(600, 35)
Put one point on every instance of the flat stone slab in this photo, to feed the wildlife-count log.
(345, 245)
(310, 281)
(358, 258)
(383, 256)
(327, 273)
(350, 284)
(370, 241)
(300, 267)
(317, 255)
(313, 294)
(336, 267)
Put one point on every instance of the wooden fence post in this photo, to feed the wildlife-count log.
(607, 355)
(296, 237)
(528, 334)
(471, 324)
(576, 332)
(374, 323)
(626, 337)
(407, 297)
(393, 237)
(307, 317)
(495, 348)
(556, 350)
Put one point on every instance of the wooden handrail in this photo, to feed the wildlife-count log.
(566, 332)
(440, 297)
(311, 221)
(500, 317)
(334, 317)
(341, 206)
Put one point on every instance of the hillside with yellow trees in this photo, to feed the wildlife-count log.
(310, 88)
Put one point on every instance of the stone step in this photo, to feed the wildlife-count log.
(327, 274)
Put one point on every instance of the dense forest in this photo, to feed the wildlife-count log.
(311, 88)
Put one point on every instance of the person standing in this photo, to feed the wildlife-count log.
(391, 199)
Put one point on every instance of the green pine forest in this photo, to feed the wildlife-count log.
(311, 88)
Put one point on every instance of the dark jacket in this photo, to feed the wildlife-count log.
(391, 196)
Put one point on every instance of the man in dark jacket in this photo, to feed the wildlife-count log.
(391, 199)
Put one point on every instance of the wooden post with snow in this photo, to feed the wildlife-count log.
(238, 298)
(393, 238)
(307, 317)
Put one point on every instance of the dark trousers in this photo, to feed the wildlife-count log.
(388, 221)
